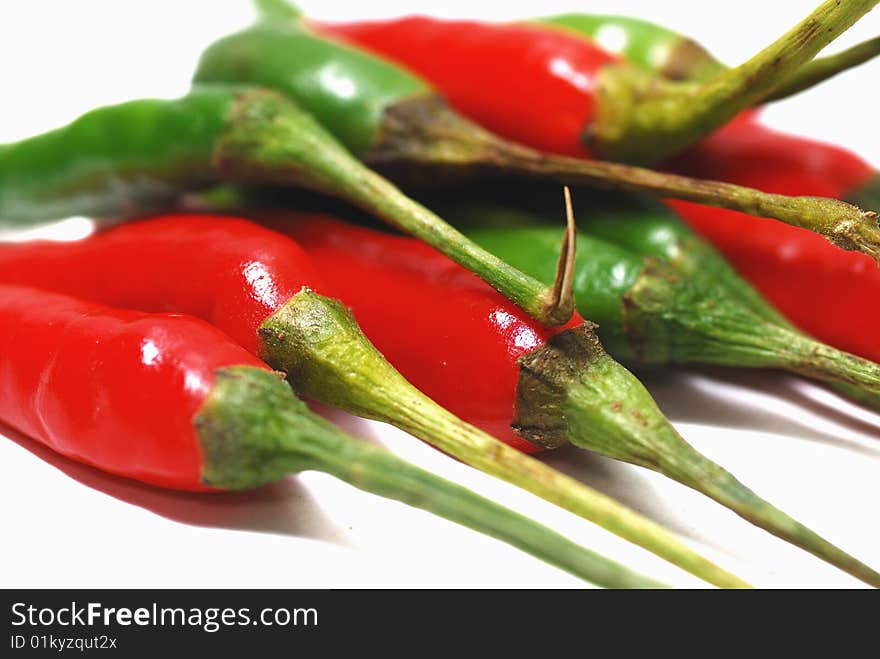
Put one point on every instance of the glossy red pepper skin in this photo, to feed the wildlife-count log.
(821, 289)
(121, 387)
(459, 347)
(172, 401)
(227, 271)
(448, 333)
(234, 273)
(538, 72)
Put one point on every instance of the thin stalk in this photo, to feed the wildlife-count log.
(253, 430)
(423, 139)
(563, 284)
(791, 350)
(843, 224)
(787, 348)
(694, 308)
(573, 391)
(705, 476)
(823, 68)
(373, 470)
(316, 342)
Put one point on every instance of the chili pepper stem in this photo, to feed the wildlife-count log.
(854, 376)
(782, 346)
(676, 57)
(572, 391)
(742, 339)
(318, 345)
(694, 308)
(705, 476)
(270, 140)
(642, 119)
(424, 140)
(823, 68)
(688, 60)
(254, 431)
(379, 472)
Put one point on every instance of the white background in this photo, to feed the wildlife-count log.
(802, 448)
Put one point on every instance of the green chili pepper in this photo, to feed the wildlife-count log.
(134, 157)
(139, 156)
(393, 120)
(348, 92)
(661, 294)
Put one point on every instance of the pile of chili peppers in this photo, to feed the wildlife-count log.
(246, 269)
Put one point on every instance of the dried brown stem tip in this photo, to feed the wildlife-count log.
(563, 285)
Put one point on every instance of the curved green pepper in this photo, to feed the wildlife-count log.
(603, 273)
(659, 293)
(345, 89)
(131, 157)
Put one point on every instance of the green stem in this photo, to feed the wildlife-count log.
(693, 63)
(694, 308)
(381, 473)
(572, 389)
(423, 139)
(823, 68)
(318, 345)
(643, 120)
(253, 431)
(270, 140)
(787, 348)
(659, 294)
(707, 477)
(676, 57)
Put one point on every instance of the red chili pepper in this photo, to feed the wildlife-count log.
(556, 90)
(565, 388)
(240, 277)
(820, 288)
(172, 401)
(111, 388)
(247, 280)
(486, 69)
(246, 273)
(554, 70)
(452, 337)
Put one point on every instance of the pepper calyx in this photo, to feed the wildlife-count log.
(253, 431)
(546, 374)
